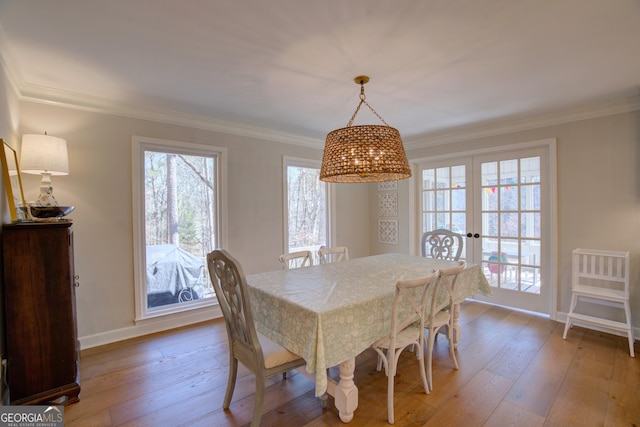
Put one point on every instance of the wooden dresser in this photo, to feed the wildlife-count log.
(40, 313)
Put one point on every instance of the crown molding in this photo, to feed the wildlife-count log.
(592, 111)
(83, 102)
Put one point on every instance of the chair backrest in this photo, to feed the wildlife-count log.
(231, 289)
(601, 269)
(448, 277)
(335, 254)
(296, 259)
(442, 244)
(410, 302)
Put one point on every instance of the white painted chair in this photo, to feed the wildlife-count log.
(260, 355)
(335, 254)
(296, 259)
(442, 244)
(441, 315)
(410, 299)
(600, 277)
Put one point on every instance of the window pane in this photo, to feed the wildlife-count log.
(306, 209)
(180, 226)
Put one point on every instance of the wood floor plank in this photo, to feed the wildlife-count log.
(513, 360)
(623, 408)
(515, 369)
(538, 386)
(510, 415)
(584, 395)
(487, 342)
(474, 402)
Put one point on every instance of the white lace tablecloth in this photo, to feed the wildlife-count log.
(330, 313)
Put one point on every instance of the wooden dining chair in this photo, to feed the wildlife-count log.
(260, 355)
(406, 330)
(334, 254)
(441, 315)
(442, 244)
(296, 259)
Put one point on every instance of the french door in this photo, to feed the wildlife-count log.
(501, 203)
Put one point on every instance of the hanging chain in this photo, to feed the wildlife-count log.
(363, 100)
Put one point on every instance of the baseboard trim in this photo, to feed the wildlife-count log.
(152, 326)
(561, 317)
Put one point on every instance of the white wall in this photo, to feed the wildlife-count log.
(99, 185)
(9, 118)
(598, 199)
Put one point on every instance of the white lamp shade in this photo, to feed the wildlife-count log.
(44, 153)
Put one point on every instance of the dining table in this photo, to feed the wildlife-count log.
(330, 313)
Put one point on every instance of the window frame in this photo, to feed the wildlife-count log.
(329, 191)
(139, 146)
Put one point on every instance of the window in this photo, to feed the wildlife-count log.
(307, 207)
(177, 195)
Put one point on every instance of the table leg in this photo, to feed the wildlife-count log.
(457, 330)
(346, 392)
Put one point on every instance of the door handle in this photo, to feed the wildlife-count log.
(473, 235)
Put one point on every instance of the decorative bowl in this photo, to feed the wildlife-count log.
(50, 211)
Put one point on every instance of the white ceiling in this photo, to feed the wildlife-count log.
(288, 65)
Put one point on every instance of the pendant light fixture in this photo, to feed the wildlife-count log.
(368, 153)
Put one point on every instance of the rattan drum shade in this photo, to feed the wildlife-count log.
(369, 153)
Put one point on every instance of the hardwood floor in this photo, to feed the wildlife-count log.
(515, 369)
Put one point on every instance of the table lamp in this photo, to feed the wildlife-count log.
(45, 155)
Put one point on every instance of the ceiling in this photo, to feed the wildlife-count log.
(287, 66)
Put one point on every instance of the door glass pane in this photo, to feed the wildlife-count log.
(510, 214)
(443, 178)
(446, 206)
(508, 172)
(509, 224)
(428, 179)
(530, 224)
(489, 173)
(489, 224)
(459, 222)
(530, 252)
(442, 198)
(509, 198)
(530, 197)
(489, 199)
(429, 200)
(458, 177)
(458, 199)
